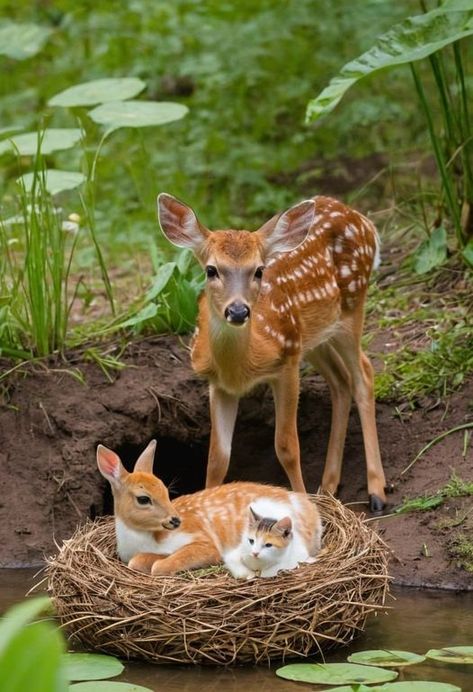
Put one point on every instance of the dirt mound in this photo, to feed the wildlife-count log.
(52, 419)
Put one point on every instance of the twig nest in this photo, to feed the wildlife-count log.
(207, 616)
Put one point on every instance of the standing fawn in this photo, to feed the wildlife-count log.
(217, 524)
(295, 288)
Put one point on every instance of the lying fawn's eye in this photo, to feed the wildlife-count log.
(211, 271)
(259, 273)
(251, 541)
(268, 545)
(143, 500)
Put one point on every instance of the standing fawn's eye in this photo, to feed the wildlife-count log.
(268, 545)
(211, 271)
(251, 541)
(259, 273)
(143, 500)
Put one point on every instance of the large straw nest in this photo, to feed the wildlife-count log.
(207, 616)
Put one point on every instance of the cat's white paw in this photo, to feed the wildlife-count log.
(241, 572)
(250, 577)
(310, 560)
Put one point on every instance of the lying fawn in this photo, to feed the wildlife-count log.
(163, 537)
(296, 287)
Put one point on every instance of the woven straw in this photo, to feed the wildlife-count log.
(207, 616)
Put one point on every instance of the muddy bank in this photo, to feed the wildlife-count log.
(51, 422)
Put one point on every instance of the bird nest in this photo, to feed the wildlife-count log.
(207, 616)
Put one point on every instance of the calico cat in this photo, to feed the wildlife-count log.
(286, 535)
(161, 537)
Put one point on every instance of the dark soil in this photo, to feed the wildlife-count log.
(50, 424)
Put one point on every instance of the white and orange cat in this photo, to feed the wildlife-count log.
(212, 526)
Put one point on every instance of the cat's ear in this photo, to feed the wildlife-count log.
(284, 525)
(253, 517)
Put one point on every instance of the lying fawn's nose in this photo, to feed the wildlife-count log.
(175, 521)
(237, 313)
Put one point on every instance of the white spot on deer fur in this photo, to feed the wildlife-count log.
(354, 265)
(352, 286)
(327, 225)
(259, 316)
(338, 246)
(289, 343)
(345, 270)
(350, 232)
(301, 297)
(333, 214)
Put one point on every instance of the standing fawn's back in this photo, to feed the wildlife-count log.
(162, 537)
(296, 287)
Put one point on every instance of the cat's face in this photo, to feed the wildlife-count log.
(265, 540)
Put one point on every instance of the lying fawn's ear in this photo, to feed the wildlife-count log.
(285, 232)
(179, 223)
(145, 460)
(254, 518)
(110, 466)
(284, 525)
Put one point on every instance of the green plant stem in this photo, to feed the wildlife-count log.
(434, 442)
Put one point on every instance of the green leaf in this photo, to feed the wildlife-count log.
(55, 180)
(32, 660)
(335, 673)
(54, 139)
(117, 114)
(22, 41)
(161, 280)
(452, 654)
(413, 39)
(385, 658)
(108, 686)
(146, 313)
(432, 252)
(9, 130)
(468, 253)
(405, 686)
(18, 616)
(91, 666)
(98, 91)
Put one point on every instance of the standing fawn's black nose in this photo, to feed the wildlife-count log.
(237, 313)
(175, 521)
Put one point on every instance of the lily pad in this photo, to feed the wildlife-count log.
(98, 91)
(405, 686)
(54, 139)
(91, 666)
(107, 686)
(55, 180)
(335, 673)
(452, 654)
(117, 114)
(22, 41)
(385, 658)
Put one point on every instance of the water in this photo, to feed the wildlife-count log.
(419, 620)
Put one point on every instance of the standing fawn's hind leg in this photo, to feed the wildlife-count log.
(286, 395)
(191, 556)
(330, 366)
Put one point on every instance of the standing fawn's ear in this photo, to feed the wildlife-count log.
(284, 525)
(110, 466)
(285, 232)
(179, 223)
(145, 460)
(253, 517)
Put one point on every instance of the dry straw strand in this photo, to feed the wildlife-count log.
(208, 617)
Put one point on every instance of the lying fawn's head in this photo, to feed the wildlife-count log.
(234, 261)
(141, 500)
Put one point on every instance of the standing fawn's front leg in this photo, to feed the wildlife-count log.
(191, 556)
(286, 396)
(223, 411)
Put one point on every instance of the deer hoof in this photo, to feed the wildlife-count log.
(376, 504)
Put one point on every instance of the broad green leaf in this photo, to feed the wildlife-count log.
(19, 615)
(91, 666)
(98, 91)
(405, 686)
(32, 660)
(22, 41)
(108, 686)
(55, 180)
(54, 139)
(161, 280)
(116, 114)
(468, 253)
(335, 673)
(385, 658)
(9, 130)
(432, 252)
(146, 313)
(413, 39)
(452, 654)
